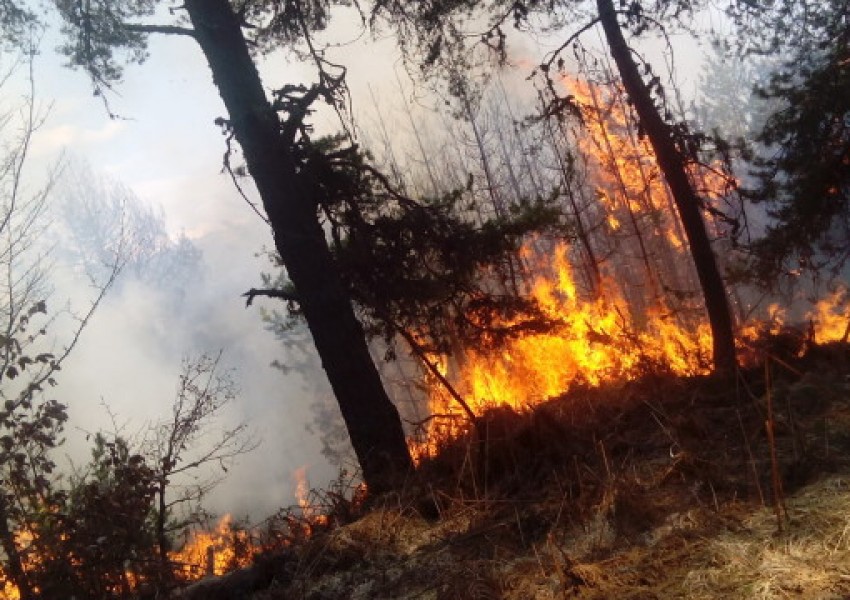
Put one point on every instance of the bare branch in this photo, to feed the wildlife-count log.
(162, 29)
(269, 293)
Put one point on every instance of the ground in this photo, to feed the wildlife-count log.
(659, 488)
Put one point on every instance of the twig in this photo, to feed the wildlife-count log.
(750, 456)
(228, 167)
(779, 503)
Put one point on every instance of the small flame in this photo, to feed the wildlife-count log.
(830, 318)
(214, 552)
(302, 489)
(310, 512)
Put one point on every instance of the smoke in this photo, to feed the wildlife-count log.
(176, 297)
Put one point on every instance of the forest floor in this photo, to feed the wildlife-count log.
(660, 488)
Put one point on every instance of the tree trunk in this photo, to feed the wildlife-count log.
(373, 422)
(672, 165)
(14, 564)
(162, 542)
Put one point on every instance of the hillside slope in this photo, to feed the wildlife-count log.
(659, 488)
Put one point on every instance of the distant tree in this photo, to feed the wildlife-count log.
(725, 98)
(98, 213)
(802, 162)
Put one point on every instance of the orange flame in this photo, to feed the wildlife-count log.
(214, 552)
(830, 317)
(629, 182)
(595, 340)
(10, 591)
(302, 489)
(310, 512)
(646, 311)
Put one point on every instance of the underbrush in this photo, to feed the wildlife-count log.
(659, 488)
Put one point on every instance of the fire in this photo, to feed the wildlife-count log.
(629, 183)
(311, 514)
(302, 489)
(830, 318)
(215, 552)
(595, 340)
(646, 312)
(23, 540)
(10, 591)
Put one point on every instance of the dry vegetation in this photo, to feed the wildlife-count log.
(659, 488)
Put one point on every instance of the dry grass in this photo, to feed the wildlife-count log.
(655, 489)
(810, 558)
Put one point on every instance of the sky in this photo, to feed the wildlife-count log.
(167, 153)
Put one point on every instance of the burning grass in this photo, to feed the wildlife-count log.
(656, 488)
(600, 456)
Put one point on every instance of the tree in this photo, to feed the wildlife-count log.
(174, 449)
(431, 24)
(801, 165)
(108, 533)
(270, 133)
(31, 422)
(672, 159)
(421, 272)
(98, 212)
(97, 541)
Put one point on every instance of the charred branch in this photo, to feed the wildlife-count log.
(286, 295)
(160, 29)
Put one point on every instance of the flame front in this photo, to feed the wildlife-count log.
(214, 552)
(644, 312)
(641, 311)
(830, 318)
(595, 340)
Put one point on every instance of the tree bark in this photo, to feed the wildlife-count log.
(372, 420)
(687, 203)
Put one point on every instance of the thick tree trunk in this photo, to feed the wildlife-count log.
(372, 421)
(672, 165)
